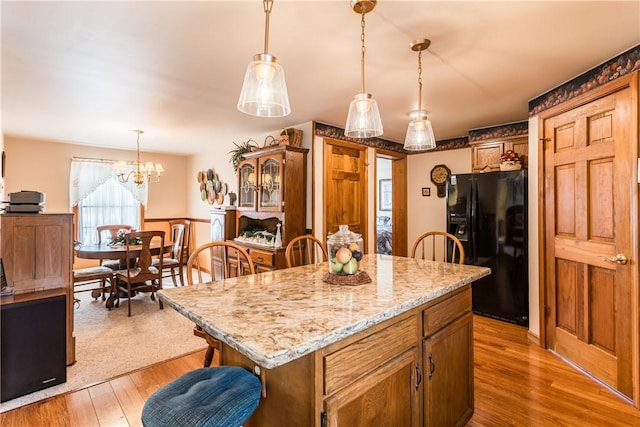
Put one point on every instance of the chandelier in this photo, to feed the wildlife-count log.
(420, 132)
(264, 91)
(147, 172)
(363, 120)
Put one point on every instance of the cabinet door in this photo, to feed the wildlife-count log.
(448, 372)
(487, 154)
(520, 146)
(270, 190)
(388, 396)
(247, 184)
(37, 252)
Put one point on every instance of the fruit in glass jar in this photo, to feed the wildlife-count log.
(336, 267)
(343, 255)
(354, 247)
(357, 255)
(350, 267)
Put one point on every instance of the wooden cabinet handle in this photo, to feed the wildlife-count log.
(432, 366)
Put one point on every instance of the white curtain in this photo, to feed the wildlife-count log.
(88, 174)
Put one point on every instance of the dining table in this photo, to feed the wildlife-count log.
(116, 252)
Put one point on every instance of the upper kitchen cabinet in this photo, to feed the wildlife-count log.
(488, 144)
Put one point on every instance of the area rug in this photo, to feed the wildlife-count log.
(109, 344)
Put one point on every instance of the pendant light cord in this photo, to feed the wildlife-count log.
(268, 5)
(420, 82)
(363, 49)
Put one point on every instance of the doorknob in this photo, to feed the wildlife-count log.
(620, 259)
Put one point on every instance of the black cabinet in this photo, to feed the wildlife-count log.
(33, 342)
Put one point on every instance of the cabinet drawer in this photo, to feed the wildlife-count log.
(443, 313)
(347, 364)
(262, 257)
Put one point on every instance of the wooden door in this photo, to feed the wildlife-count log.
(345, 187)
(592, 304)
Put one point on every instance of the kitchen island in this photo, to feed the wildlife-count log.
(396, 351)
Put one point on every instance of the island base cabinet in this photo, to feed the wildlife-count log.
(386, 397)
(448, 370)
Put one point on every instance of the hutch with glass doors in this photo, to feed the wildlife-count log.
(272, 184)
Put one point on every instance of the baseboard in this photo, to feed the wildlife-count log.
(531, 337)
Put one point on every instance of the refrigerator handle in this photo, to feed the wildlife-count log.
(472, 223)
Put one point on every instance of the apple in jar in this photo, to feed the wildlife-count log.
(343, 255)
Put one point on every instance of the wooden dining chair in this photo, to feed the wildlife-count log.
(109, 232)
(215, 261)
(304, 250)
(433, 245)
(174, 262)
(186, 239)
(97, 274)
(140, 276)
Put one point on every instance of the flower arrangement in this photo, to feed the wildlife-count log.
(121, 240)
(510, 160)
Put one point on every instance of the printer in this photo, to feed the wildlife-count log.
(25, 202)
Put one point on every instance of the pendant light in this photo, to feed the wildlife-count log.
(264, 91)
(420, 132)
(363, 120)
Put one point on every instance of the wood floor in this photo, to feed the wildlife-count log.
(516, 384)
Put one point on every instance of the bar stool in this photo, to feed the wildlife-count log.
(211, 397)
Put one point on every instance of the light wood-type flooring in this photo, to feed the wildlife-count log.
(516, 384)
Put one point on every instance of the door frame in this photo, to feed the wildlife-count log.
(399, 199)
(630, 81)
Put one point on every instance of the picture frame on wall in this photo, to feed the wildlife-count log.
(384, 194)
(426, 191)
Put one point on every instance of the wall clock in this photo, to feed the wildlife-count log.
(439, 176)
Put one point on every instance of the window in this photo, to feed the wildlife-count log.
(110, 203)
(98, 198)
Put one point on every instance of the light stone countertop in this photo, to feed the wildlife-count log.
(275, 317)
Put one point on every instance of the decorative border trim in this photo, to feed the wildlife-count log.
(624, 64)
(328, 131)
(333, 132)
(508, 130)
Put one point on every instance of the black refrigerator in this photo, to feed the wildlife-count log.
(488, 213)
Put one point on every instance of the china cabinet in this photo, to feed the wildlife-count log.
(272, 185)
(485, 155)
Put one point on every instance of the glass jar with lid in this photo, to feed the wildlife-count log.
(345, 250)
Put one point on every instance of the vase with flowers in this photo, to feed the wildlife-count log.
(120, 238)
(510, 161)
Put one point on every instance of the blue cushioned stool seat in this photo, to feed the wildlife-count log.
(223, 396)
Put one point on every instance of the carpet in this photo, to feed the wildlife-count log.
(109, 344)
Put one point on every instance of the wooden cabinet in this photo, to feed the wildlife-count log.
(264, 259)
(272, 184)
(37, 257)
(223, 224)
(415, 369)
(485, 155)
(360, 379)
(448, 362)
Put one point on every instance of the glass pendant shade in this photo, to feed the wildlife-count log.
(419, 135)
(363, 120)
(264, 91)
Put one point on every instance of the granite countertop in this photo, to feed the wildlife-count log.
(275, 317)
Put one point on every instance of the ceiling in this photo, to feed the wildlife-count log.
(91, 72)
